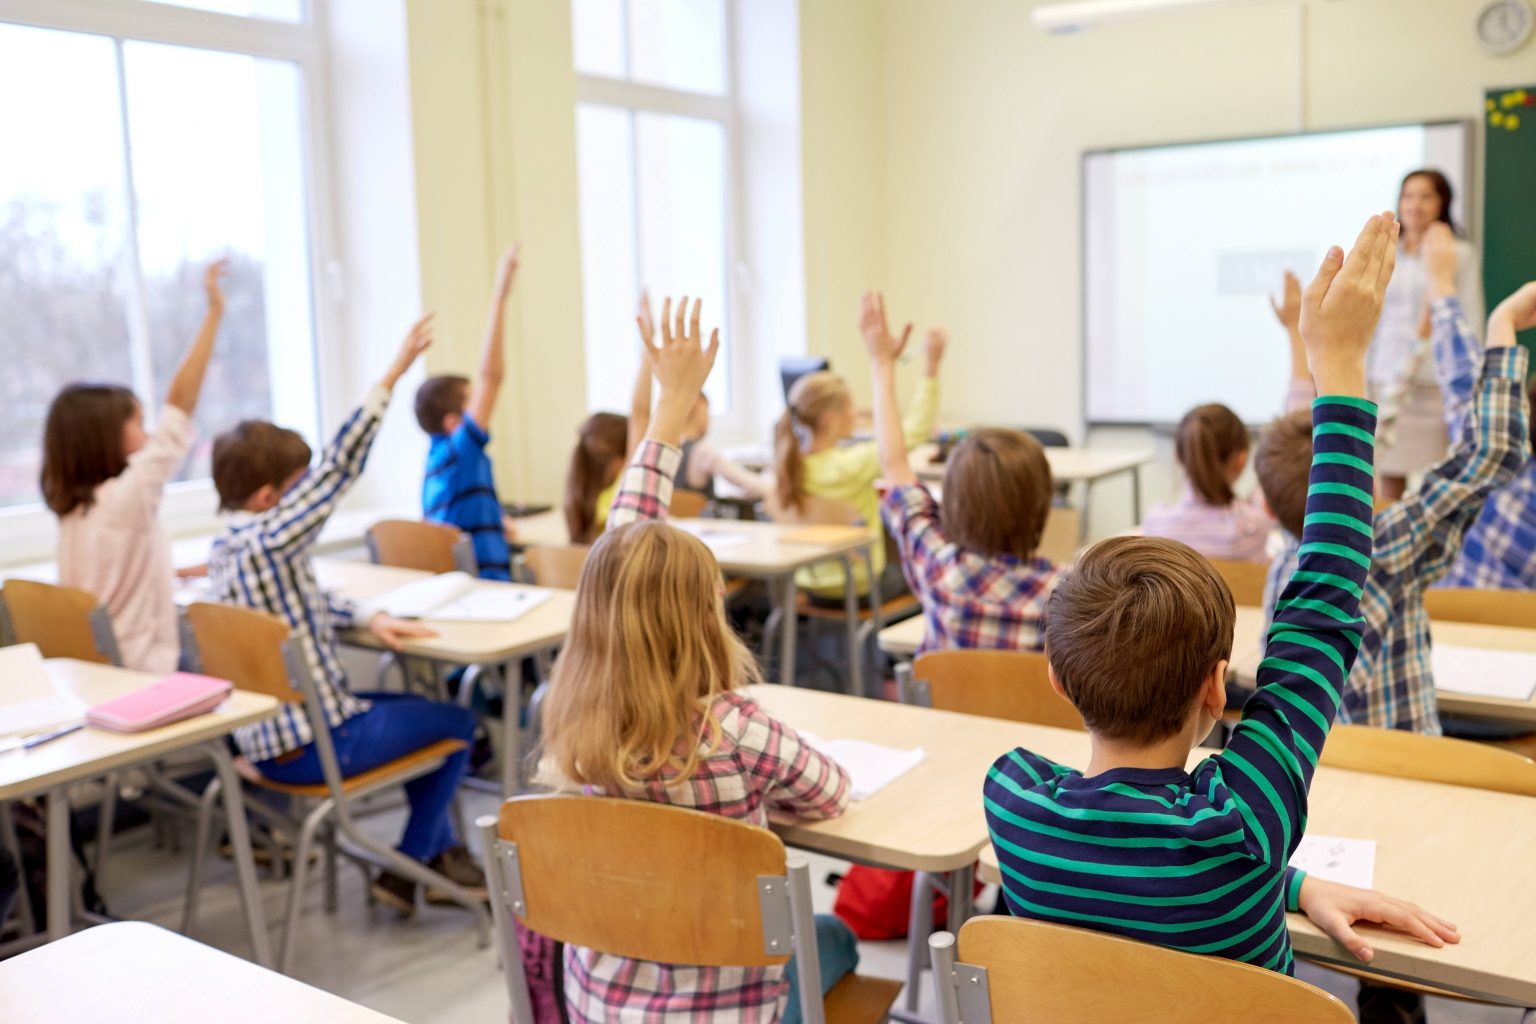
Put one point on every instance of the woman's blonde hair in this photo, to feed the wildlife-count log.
(648, 652)
(813, 397)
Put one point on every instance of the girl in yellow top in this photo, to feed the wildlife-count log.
(811, 460)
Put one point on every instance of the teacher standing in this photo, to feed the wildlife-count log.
(1400, 366)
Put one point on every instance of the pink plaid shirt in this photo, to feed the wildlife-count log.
(970, 600)
(760, 765)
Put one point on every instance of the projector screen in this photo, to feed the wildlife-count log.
(1182, 245)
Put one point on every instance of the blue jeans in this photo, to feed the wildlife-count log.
(838, 953)
(396, 725)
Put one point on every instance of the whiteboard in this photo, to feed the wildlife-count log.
(1183, 244)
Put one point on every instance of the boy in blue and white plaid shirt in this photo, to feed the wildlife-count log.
(277, 505)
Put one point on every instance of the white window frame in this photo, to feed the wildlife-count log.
(28, 531)
(644, 97)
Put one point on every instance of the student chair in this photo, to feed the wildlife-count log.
(702, 889)
(64, 622)
(253, 650)
(556, 566)
(688, 504)
(1012, 969)
(430, 547)
(1444, 759)
(860, 621)
(996, 684)
(1244, 579)
(1484, 607)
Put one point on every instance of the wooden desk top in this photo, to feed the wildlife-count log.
(134, 971)
(547, 529)
(91, 752)
(903, 639)
(1068, 465)
(1247, 651)
(1469, 865)
(462, 643)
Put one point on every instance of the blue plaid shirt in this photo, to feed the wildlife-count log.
(1500, 550)
(262, 561)
(1417, 538)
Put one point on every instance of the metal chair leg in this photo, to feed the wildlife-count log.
(919, 927)
(26, 916)
(200, 845)
(332, 889)
(419, 873)
(107, 815)
(300, 875)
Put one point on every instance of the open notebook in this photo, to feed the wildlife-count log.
(28, 701)
(870, 766)
(458, 596)
(1481, 672)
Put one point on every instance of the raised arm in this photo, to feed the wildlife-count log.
(1420, 535)
(302, 511)
(884, 350)
(917, 424)
(681, 363)
(640, 396)
(493, 370)
(187, 384)
(1458, 353)
(1317, 627)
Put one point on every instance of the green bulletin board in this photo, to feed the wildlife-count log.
(1509, 195)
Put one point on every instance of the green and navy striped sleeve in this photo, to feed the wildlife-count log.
(1269, 762)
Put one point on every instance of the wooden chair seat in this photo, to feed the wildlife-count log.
(896, 608)
(1525, 746)
(859, 999)
(735, 585)
(439, 751)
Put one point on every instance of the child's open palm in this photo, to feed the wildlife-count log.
(1288, 308)
(882, 345)
(1339, 309)
(417, 341)
(682, 362)
(213, 283)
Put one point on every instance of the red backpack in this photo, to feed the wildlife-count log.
(877, 903)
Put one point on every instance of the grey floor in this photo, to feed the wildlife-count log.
(427, 970)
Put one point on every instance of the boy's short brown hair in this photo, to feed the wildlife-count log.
(439, 396)
(1132, 632)
(997, 493)
(1283, 464)
(252, 455)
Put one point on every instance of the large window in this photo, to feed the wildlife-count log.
(654, 127)
(129, 164)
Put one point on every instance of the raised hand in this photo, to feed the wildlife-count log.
(506, 269)
(1337, 908)
(212, 284)
(1339, 309)
(1288, 308)
(1440, 260)
(644, 321)
(883, 347)
(1516, 313)
(392, 631)
(681, 364)
(417, 341)
(934, 346)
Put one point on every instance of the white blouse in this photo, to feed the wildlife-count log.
(1397, 339)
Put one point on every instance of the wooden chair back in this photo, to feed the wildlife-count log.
(688, 504)
(408, 544)
(244, 646)
(688, 894)
(62, 621)
(1244, 579)
(558, 567)
(1484, 607)
(1040, 971)
(1411, 755)
(1062, 535)
(998, 684)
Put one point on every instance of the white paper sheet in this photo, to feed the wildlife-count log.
(716, 538)
(1346, 861)
(870, 766)
(1484, 673)
(459, 597)
(28, 701)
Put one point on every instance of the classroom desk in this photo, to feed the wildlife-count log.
(1484, 838)
(1247, 651)
(546, 529)
(134, 971)
(460, 643)
(1470, 865)
(903, 639)
(91, 753)
(1086, 466)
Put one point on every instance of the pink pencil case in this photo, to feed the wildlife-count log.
(177, 696)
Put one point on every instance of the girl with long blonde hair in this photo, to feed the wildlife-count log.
(646, 702)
